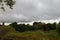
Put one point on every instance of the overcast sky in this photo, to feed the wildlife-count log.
(32, 10)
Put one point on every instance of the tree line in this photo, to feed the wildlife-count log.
(36, 26)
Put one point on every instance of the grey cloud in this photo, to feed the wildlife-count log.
(32, 10)
(13, 18)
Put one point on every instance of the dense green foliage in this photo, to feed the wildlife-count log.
(37, 31)
(10, 34)
(36, 26)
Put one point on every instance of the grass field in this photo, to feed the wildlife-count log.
(8, 33)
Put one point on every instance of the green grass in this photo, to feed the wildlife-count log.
(28, 35)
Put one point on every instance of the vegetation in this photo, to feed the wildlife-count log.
(37, 31)
(8, 3)
(34, 27)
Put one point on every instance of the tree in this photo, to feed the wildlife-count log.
(35, 25)
(53, 26)
(47, 27)
(58, 28)
(21, 28)
(3, 24)
(9, 3)
(14, 24)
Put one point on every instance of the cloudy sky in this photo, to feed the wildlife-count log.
(32, 10)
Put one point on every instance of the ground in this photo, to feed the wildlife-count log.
(9, 33)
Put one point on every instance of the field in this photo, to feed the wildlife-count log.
(9, 33)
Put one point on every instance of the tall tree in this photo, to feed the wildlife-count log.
(9, 3)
